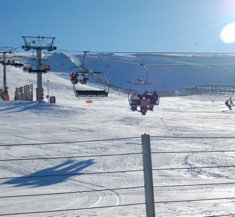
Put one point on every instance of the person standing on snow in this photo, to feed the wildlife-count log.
(229, 103)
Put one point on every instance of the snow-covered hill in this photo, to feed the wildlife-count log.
(166, 71)
(75, 158)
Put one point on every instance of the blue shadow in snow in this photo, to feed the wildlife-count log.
(51, 175)
(24, 106)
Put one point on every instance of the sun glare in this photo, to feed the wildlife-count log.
(227, 34)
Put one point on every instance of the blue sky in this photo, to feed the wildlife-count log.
(120, 25)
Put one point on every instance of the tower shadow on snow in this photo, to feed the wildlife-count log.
(51, 175)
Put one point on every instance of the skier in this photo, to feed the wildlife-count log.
(229, 103)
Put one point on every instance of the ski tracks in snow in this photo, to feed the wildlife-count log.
(102, 197)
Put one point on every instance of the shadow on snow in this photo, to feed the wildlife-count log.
(51, 175)
(24, 106)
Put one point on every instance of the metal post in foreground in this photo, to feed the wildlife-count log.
(148, 176)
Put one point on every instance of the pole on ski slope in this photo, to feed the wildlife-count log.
(148, 176)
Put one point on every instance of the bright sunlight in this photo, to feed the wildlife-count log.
(227, 34)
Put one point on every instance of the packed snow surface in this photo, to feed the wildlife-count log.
(75, 158)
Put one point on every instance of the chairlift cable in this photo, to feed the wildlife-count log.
(191, 64)
(152, 52)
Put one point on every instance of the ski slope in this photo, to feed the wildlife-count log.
(77, 159)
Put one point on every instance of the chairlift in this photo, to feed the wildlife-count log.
(12, 62)
(82, 75)
(142, 100)
(44, 69)
(82, 90)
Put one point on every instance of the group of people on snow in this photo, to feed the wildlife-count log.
(145, 101)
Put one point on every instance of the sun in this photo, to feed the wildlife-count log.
(227, 34)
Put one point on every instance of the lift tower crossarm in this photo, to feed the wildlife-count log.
(38, 43)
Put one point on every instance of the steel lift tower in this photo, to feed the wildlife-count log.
(4, 51)
(38, 43)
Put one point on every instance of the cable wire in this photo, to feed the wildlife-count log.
(192, 137)
(231, 215)
(113, 155)
(148, 52)
(116, 189)
(70, 142)
(71, 192)
(123, 205)
(114, 172)
(195, 200)
(118, 139)
(67, 210)
(195, 167)
(70, 174)
(194, 185)
(192, 152)
(67, 157)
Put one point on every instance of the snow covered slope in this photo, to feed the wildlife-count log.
(166, 71)
(75, 158)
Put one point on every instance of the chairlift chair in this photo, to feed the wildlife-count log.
(12, 62)
(85, 92)
(83, 76)
(44, 69)
(142, 101)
